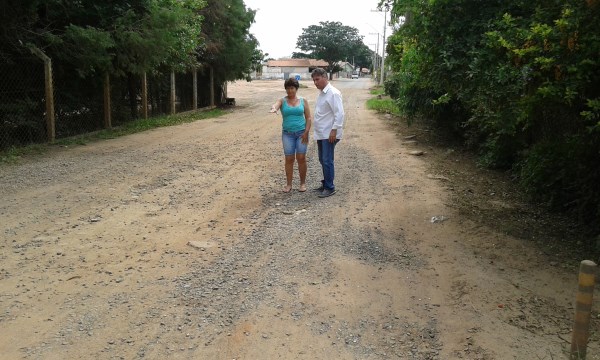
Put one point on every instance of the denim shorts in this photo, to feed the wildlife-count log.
(292, 142)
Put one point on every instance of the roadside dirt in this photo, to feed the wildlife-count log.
(177, 243)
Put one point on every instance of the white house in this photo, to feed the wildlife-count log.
(287, 68)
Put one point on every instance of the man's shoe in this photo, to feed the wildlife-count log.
(319, 189)
(326, 193)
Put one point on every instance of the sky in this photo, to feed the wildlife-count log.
(278, 24)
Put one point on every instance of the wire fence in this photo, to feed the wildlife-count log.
(22, 102)
(82, 105)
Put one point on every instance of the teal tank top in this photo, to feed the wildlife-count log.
(293, 116)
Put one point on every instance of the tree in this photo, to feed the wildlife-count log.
(362, 56)
(516, 80)
(94, 37)
(329, 41)
(229, 47)
(301, 55)
(122, 38)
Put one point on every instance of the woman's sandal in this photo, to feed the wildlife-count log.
(287, 189)
(302, 188)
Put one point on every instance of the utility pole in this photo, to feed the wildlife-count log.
(382, 78)
(374, 57)
(376, 63)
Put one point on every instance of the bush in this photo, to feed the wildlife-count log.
(566, 177)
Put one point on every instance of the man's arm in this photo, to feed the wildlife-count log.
(338, 111)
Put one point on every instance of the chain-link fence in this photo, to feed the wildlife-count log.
(79, 104)
(22, 102)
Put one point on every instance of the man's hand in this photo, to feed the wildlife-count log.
(332, 135)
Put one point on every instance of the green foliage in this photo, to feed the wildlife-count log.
(120, 37)
(331, 41)
(383, 105)
(13, 154)
(17, 19)
(124, 39)
(592, 115)
(560, 175)
(142, 125)
(519, 81)
(377, 90)
(167, 34)
(87, 48)
(362, 56)
(228, 46)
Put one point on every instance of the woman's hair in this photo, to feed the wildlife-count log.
(319, 71)
(291, 82)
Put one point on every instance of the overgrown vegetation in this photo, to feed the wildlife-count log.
(145, 124)
(382, 103)
(518, 82)
(124, 41)
(13, 154)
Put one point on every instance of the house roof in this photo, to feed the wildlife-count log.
(289, 63)
(318, 63)
(297, 63)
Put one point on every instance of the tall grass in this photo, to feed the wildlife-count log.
(387, 106)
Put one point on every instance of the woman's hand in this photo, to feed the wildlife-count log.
(275, 107)
(304, 137)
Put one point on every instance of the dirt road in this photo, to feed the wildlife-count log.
(178, 243)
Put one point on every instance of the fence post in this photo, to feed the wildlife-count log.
(212, 87)
(195, 90)
(583, 309)
(49, 93)
(107, 117)
(144, 96)
(172, 92)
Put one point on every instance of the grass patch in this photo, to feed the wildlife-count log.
(13, 154)
(381, 102)
(383, 105)
(377, 90)
(142, 125)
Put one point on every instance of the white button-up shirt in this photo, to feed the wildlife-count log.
(329, 113)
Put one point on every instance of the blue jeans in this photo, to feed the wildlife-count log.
(292, 142)
(326, 156)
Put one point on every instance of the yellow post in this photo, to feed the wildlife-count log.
(583, 309)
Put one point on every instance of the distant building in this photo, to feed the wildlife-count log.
(287, 68)
(347, 69)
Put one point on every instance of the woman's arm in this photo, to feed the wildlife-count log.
(275, 107)
(308, 119)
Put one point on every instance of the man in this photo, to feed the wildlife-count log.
(328, 122)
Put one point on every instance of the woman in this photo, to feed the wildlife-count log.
(296, 127)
